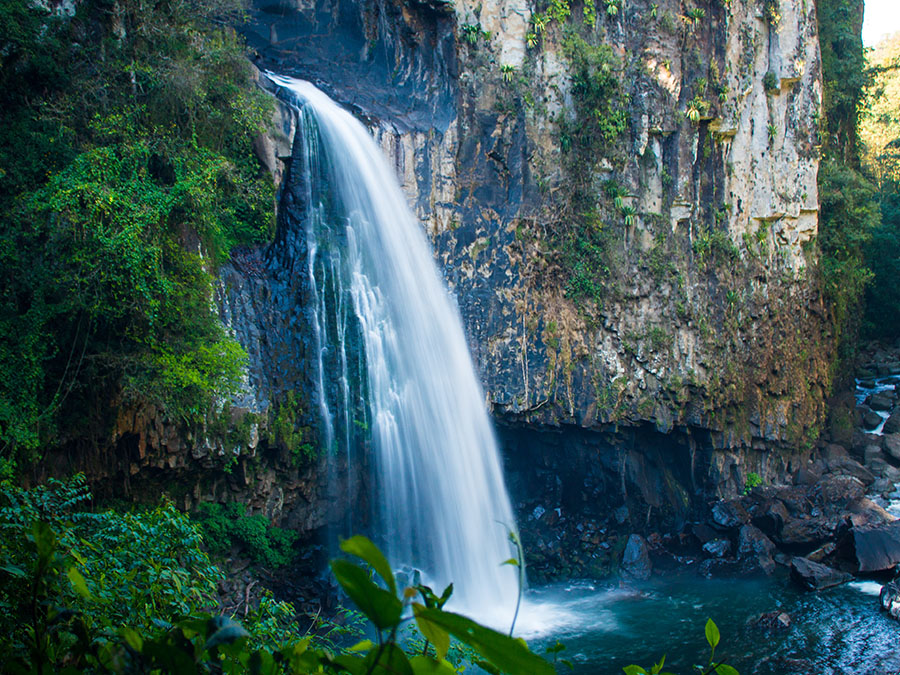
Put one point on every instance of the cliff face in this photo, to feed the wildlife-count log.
(678, 288)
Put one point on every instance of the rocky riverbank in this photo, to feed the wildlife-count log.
(834, 520)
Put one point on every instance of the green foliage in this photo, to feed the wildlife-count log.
(883, 294)
(753, 480)
(287, 432)
(227, 526)
(844, 76)
(848, 213)
(881, 133)
(597, 92)
(64, 563)
(594, 132)
(771, 82)
(126, 175)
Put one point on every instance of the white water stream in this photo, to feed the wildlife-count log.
(442, 503)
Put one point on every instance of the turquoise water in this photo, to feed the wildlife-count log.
(838, 631)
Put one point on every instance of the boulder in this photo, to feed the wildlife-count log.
(636, 559)
(892, 446)
(872, 452)
(814, 576)
(704, 533)
(756, 549)
(834, 451)
(835, 492)
(881, 402)
(776, 620)
(876, 548)
(771, 516)
(850, 467)
(717, 548)
(890, 599)
(804, 476)
(892, 425)
(870, 419)
(805, 533)
(729, 514)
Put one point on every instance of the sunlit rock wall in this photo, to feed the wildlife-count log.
(711, 321)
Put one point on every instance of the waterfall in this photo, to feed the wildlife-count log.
(442, 506)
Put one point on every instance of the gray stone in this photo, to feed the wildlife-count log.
(636, 558)
(892, 425)
(756, 548)
(877, 548)
(814, 576)
(892, 445)
(870, 419)
(729, 514)
(890, 599)
(717, 548)
(849, 467)
(880, 402)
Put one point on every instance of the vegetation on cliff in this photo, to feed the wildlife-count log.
(880, 133)
(859, 228)
(126, 175)
(848, 210)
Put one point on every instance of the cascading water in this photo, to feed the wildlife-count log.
(443, 505)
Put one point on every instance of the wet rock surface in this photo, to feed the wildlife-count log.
(890, 599)
(815, 576)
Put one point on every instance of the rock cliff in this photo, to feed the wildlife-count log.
(622, 196)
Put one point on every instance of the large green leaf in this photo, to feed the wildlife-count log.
(363, 548)
(712, 633)
(381, 607)
(432, 632)
(508, 654)
(424, 665)
(388, 660)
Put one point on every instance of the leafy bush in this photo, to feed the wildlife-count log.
(112, 568)
(228, 525)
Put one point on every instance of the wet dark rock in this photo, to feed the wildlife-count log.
(892, 446)
(870, 418)
(804, 476)
(814, 576)
(834, 492)
(717, 548)
(773, 621)
(890, 599)
(881, 402)
(872, 452)
(704, 533)
(877, 548)
(771, 516)
(729, 514)
(834, 451)
(821, 554)
(850, 467)
(861, 440)
(636, 558)
(756, 549)
(892, 425)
